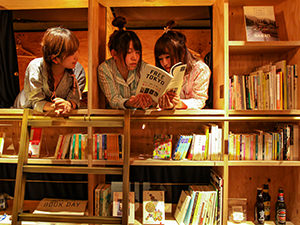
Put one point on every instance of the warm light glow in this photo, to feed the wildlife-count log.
(143, 126)
(237, 217)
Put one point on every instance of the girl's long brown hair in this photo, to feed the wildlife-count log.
(59, 43)
(174, 44)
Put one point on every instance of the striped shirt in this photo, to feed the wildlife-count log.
(115, 88)
(36, 92)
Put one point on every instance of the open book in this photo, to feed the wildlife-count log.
(155, 81)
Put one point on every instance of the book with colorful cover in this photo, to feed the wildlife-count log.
(162, 144)
(153, 207)
(35, 142)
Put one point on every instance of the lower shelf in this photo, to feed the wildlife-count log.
(251, 223)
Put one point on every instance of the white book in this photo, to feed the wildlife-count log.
(182, 206)
(156, 81)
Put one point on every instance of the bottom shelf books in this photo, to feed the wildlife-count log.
(197, 206)
(103, 200)
(117, 206)
(201, 204)
(153, 207)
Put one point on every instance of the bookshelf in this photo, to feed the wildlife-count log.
(231, 54)
(241, 57)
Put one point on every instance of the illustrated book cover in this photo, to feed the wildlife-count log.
(260, 23)
(162, 146)
(153, 207)
(155, 81)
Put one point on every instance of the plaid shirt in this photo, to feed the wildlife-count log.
(115, 88)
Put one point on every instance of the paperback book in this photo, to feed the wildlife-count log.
(155, 81)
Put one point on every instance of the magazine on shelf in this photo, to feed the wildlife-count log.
(260, 23)
(155, 81)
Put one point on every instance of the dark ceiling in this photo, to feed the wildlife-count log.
(137, 18)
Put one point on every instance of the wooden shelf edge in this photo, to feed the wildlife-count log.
(69, 218)
(252, 223)
(156, 162)
(244, 47)
(262, 163)
(72, 169)
(290, 112)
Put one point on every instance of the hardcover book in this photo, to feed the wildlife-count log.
(155, 81)
(162, 146)
(153, 207)
(260, 23)
(61, 207)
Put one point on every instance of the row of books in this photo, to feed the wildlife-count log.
(278, 145)
(198, 205)
(108, 146)
(269, 87)
(105, 146)
(207, 146)
(72, 146)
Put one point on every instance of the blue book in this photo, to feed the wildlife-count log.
(188, 214)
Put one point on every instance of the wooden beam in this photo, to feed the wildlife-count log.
(42, 4)
(146, 3)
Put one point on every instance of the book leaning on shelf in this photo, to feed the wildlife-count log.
(260, 23)
(155, 81)
(198, 205)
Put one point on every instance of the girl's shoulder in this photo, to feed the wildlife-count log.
(36, 66)
(37, 62)
(200, 64)
(200, 68)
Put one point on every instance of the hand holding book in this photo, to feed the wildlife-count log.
(143, 101)
(156, 82)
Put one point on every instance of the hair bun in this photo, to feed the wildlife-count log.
(119, 22)
(170, 24)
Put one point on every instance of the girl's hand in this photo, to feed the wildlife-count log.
(165, 102)
(174, 98)
(143, 101)
(61, 106)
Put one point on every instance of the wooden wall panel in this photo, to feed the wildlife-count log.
(31, 43)
(197, 40)
(218, 54)
(243, 182)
